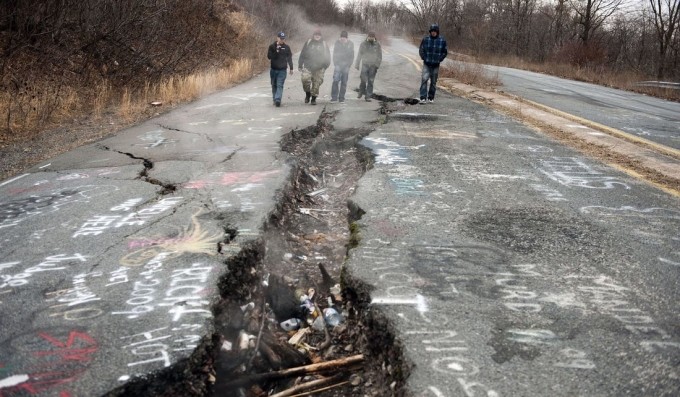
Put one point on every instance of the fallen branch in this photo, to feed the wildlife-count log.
(322, 389)
(263, 313)
(291, 372)
(306, 386)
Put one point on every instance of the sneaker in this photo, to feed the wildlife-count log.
(423, 101)
(313, 100)
(360, 95)
(430, 100)
(341, 101)
(307, 96)
(277, 104)
(368, 99)
(333, 100)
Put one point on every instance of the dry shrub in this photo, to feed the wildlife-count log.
(470, 73)
(185, 50)
(175, 90)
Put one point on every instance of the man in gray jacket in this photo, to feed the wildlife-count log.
(314, 58)
(343, 57)
(370, 57)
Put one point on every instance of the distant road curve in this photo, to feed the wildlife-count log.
(653, 119)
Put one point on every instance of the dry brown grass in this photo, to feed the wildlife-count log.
(470, 73)
(625, 80)
(57, 107)
(176, 90)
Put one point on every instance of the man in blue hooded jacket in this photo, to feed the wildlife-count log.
(433, 50)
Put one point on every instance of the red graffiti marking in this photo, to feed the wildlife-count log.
(43, 381)
(67, 350)
(64, 361)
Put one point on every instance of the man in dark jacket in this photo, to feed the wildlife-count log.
(315, 58)
(433, 50)
(370, 57)
(280, 55)
(343, 57)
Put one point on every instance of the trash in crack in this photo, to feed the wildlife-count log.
(319, 349)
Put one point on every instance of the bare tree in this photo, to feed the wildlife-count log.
(592, 14)
(426, 12)
(666, 15)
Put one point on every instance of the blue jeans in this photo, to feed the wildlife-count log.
(278, 76)
(429, 73)
(368, 73)
(340, 75)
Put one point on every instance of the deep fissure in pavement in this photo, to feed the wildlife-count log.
(304, 246)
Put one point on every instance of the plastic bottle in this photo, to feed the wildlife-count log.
(291, 324)
(332, 317)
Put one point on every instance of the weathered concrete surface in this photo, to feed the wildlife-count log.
(506, 262)
(511, 265)
(640, 115)
(111, 254)
(647, 154)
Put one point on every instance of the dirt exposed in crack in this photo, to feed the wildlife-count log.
(302, 253)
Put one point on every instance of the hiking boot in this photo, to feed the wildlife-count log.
(307, 96)
(313, 100)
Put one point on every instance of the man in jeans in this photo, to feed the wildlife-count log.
(314, 59)
(280, 55)
(370, 57)
(343, 56)
(433, 50)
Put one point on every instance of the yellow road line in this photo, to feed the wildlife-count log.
(416, 64)
(611, 131)
(639, 176)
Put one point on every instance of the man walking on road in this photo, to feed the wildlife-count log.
(280, 55)
(312, 63)
(343, 57)
(370, 57)
(433, 50)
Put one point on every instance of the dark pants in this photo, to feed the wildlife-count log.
(278, 77)
(340, 76)
(368, 73)
(429, 73)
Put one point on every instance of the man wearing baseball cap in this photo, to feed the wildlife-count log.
(281, 56)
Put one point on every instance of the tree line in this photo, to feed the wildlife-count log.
(641, 36)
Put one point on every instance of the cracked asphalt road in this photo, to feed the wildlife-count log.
(504, 262)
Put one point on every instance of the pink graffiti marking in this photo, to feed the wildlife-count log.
(233, 178)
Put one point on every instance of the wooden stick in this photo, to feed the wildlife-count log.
(304, 370)
(306, 386)
(259, 334)
(322, 389)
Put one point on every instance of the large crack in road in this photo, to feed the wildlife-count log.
(302, 252)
